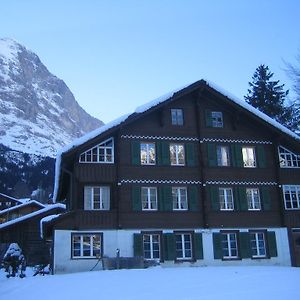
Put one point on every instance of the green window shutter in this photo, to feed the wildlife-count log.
(193, 198)
(198, 246)
(158, 153)
(214, 198)
(232, 156)
(245, 248)
(165, 153)
(265, 198)
(272, 246)
(167, 198)
(169, 246)
(238, 156)
(161, 206)
(138, 244)
(261, 157)
(217, 242)
(208, 118)
(136, 153)
(212, 154)
(236, 200)
(136, 199)
(190, 154)
(242, 198)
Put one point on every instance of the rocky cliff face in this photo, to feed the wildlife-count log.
(38, 112)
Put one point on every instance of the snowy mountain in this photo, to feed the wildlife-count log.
(38, 112)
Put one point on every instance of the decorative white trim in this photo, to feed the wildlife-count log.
(193, 139)
(156, 137)
(212, 182)
(153, 181)
(235, 141)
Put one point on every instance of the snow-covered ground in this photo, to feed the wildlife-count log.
(194, 283)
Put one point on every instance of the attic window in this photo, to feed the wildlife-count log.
(177, 116)
(288, 159)
(102, 153)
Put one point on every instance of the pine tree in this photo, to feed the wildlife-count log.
(269, 97)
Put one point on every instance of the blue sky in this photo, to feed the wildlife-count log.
(117, 55)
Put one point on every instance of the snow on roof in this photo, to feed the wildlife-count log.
(153, 103)
(33, 214)
(45, 220)
(9, 197)
(20, 206)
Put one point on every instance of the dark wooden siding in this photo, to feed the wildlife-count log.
(239, 128)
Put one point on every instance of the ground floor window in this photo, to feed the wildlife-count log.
(86, 245)
(183, 246)
(229, 245)
(151, 245)
(258, 245)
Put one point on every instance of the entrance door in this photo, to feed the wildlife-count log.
(296, 246)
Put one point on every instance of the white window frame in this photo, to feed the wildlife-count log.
(183, 246)
(288, 159)
(92, 155)
(87, 239)
(253, 199)
(176, 148)
(226, 199)
(291, 194)
(177, 116)
(152, 242)
(217, 119)
(148, 203)
(223, 156)
(229, 246)
(90, 194)
(147, 147)
(249, 157)
(257, 251)
(180, 200)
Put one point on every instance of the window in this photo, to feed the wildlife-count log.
(151, 244)
(229, 245)
(96, 197)
(288, 159)
(179, 196)
(217, 119)
(183, 246)
(226, 199)
(223, 159)
(149, 198)
(86, 245)
(253, 199)
(102, 153)
(177, 154)
(258, 245)
(177, 116)
(249, 157)
(291, 194)
(147, 153)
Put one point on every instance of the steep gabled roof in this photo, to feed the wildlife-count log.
(16, 207)
(171, 96)
(45, 209)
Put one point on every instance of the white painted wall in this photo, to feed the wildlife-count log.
(123, 240)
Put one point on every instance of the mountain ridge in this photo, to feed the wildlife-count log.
(38, 112)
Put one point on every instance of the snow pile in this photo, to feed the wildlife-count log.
(199, 283)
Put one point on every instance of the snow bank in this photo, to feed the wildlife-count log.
(205, 283)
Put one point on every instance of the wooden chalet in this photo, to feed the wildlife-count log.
(21, 224)
(196, 177)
